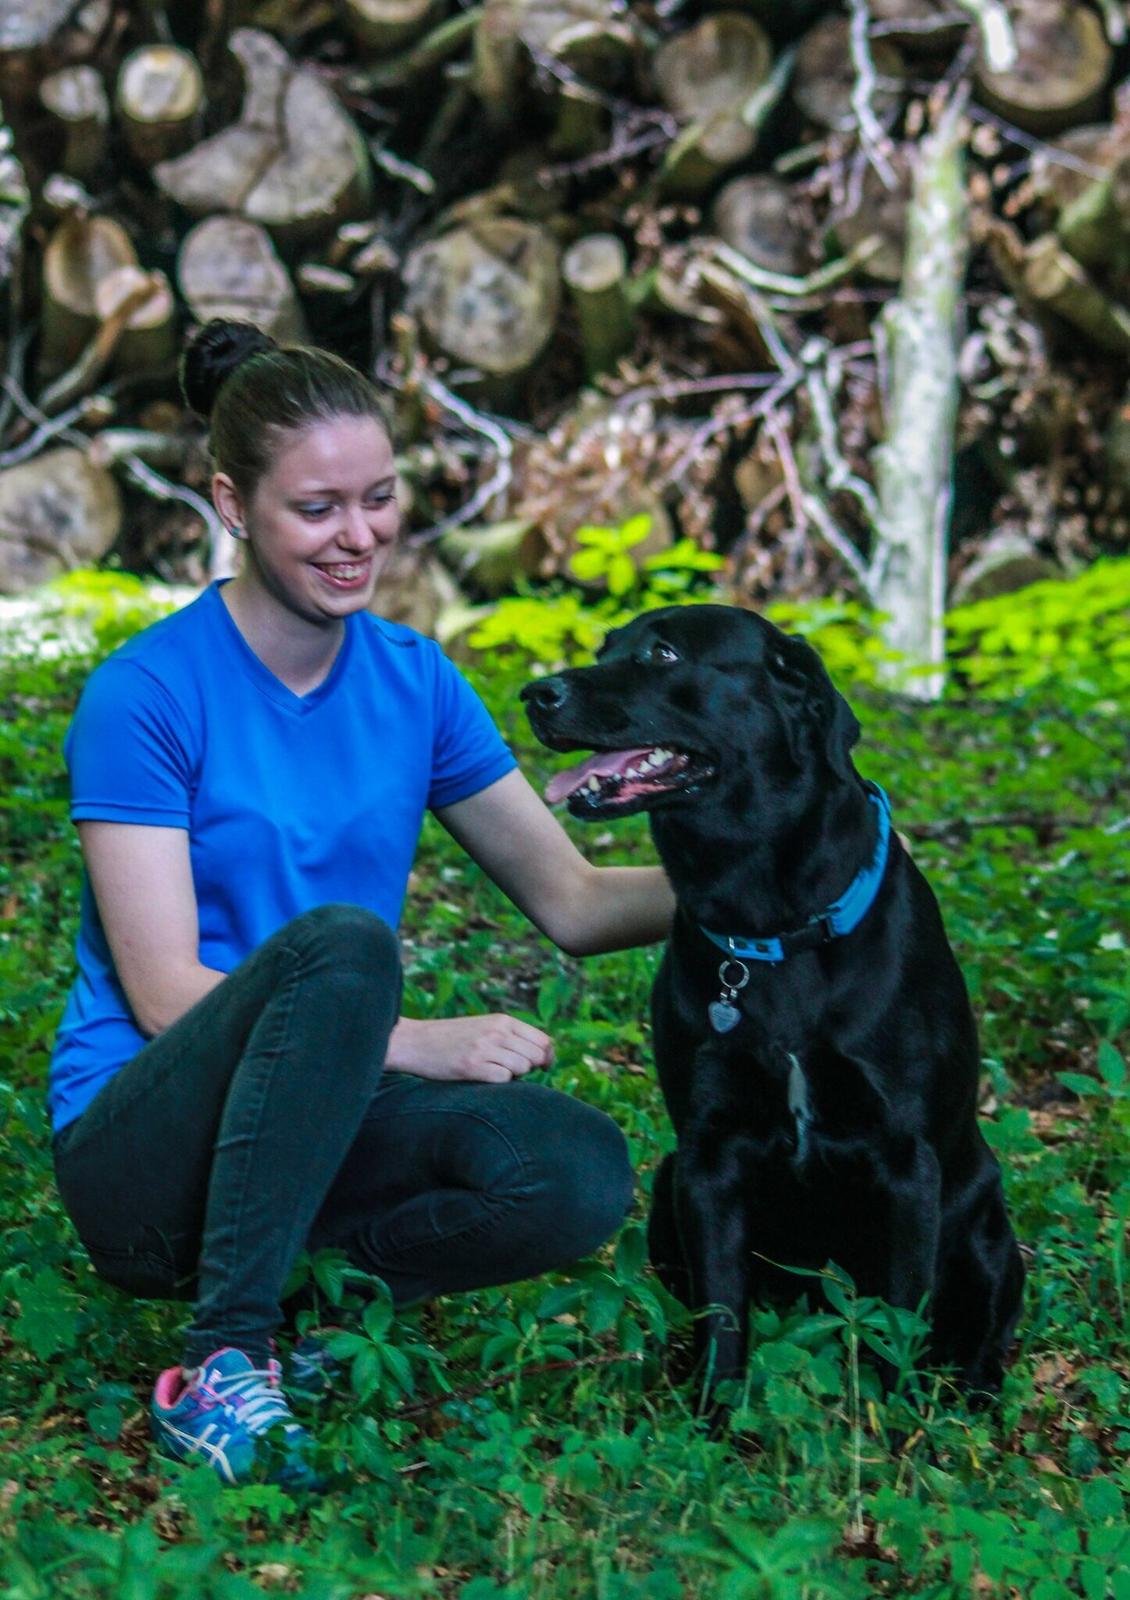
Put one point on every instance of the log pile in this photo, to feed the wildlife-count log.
(609, 257)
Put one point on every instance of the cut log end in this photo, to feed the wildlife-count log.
(76, 98)
(294, 161)
(487, 294)
(714, 66)
(1061, 69)
(595, 263)
(380, 26)
(824, 79)
(757, 216)
(228, 268)
(160, 97)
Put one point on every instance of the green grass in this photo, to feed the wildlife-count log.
(528, 1443)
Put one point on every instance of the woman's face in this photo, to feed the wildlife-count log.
(322, 521)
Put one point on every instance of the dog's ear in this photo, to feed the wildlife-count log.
(815, 711)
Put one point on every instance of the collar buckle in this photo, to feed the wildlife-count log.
(827, 931)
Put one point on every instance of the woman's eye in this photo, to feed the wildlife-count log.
(314, 510)
(378, 500)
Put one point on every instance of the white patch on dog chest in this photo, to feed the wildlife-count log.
(800, 1108)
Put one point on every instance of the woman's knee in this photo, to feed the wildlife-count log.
(347, 937)
(588, 1182)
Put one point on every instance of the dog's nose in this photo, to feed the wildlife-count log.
(546, 694)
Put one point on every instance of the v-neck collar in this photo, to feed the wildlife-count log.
(262, 676)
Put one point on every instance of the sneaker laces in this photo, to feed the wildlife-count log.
(255, 1394)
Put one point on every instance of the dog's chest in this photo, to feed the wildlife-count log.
(770, 1094)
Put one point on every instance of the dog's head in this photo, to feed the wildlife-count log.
(689, 698)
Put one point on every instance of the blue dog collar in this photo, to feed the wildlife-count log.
(836, 920)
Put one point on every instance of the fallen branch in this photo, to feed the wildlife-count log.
(499, 480)
(811, 283)
(997, 37)
(94, 360)
(1114, 20)
(875, 140)
(48, 429)
(839, 475)
(221, 544)
(1044, 824)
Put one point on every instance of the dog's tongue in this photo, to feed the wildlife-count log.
(603, 764)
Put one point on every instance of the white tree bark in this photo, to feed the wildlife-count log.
(914, 465)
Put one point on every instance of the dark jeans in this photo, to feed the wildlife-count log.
(261, 1124)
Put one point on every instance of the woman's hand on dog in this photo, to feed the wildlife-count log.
(489, 1049)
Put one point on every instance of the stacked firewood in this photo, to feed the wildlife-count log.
(609, 259)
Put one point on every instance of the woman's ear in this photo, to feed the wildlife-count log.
(227, 501)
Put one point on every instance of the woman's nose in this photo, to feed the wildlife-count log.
(359, 532)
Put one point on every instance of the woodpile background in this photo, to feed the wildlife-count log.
(608, 259)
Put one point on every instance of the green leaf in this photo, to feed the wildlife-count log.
(635, 530)
(631, 1252)
(1112, 1068)
(48, 1317)
(377, 1318)
(398, 1364)
(1102, 1499)
(588, 564)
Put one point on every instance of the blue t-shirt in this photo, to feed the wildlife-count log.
(289, 801)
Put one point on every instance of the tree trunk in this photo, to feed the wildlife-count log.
(914, 464)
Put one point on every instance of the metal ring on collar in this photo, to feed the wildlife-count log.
(730, 983)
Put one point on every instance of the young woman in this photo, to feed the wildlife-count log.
(232, 1082)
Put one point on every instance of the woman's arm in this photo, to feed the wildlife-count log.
(585, 910)
(142, 882)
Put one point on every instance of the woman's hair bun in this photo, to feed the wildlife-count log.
(213, 355)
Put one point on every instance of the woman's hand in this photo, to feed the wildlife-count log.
(489, 1049)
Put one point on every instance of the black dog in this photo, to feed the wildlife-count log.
(813, 1034)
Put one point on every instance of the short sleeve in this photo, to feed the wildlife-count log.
(126, 751)
(468, 752)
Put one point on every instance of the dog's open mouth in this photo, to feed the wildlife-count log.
(625, 780)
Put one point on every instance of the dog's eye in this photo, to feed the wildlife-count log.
(663, 652)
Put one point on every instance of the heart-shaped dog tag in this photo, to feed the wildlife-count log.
(723, 1016)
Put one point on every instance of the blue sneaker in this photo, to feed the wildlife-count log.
(312, 1373)
(235, 1416)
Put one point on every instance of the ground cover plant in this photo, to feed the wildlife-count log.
(530, 1443)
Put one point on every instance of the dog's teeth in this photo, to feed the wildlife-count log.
(631, 773)
(593, 783)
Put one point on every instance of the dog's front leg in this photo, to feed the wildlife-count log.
(914, 1201)
(714, 1229)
